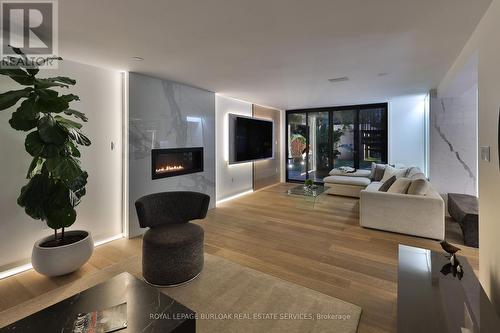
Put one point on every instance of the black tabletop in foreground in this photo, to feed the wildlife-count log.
(148, 310)
(433, 297)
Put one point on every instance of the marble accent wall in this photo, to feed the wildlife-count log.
(167, 114)
(453, 143)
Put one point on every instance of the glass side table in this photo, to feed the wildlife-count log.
(309, 193)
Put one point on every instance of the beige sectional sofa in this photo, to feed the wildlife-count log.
(418, 215)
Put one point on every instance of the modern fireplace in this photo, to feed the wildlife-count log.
(176, 161)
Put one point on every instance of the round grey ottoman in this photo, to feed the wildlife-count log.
(172, 253)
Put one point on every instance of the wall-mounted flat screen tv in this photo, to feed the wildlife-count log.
(253, 139)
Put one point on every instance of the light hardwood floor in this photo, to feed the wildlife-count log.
(317, 245)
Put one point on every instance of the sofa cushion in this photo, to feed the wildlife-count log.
(411, 171)
(377, 172)
(387, 184)
(357, 173)
(346, 180)
(390, 171)
(374, 186)
(400, 186)
(418, 187)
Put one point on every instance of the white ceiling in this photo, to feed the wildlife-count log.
(279, 53)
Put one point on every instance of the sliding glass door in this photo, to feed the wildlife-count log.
(343, 138)
(319, 140)
(318, 162)
(372, 136)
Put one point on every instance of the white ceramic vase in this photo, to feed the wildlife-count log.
(64, 259)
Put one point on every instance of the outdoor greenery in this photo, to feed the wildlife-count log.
(56, 182)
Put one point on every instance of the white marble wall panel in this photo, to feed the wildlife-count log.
(453, 143)
(166, 114)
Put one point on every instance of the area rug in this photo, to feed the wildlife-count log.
(229, 297)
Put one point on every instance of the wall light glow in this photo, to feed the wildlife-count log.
(15, 270)
(190, 119)
(25, 267)
(234, 196)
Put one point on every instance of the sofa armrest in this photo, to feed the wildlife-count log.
(409, 214)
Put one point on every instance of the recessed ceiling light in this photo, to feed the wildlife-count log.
(137, 58)
(339, 79)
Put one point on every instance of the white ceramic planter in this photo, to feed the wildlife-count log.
(61, 260)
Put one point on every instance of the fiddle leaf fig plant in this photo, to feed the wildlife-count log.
(56, 181)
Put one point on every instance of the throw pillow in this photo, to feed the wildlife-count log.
(387, 184)
(377, 172)
(419, 187)
(390, 171)
(401, 186)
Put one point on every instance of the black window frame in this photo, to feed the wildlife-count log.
(331, 110)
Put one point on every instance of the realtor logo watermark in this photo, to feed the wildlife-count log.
(32, 27)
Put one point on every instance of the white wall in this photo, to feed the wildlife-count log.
(101, 209)
(489, 173)
(407, 131)
(484, 41)
(236, 178)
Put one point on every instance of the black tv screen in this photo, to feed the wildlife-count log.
(253, 139)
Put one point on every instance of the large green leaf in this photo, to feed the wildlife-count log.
(77, 114)
(18, 75)
(67, 123)
(77, 187)
(36, 147)
(51, 104)
(33, 195)
(47, 94)
(26, 116)
(62, 79)
(78, 137)
(11, 97)
(64, 168)
(61, 217)
(58, 207)
(50, 131)
(72, 149)
(45, 83)
(70, 97)
(33, 144)
(35, 167)
(22, 121)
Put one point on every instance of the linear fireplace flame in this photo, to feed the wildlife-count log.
(169, 168)
(176, 161)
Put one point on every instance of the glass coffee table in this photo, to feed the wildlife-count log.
(309, 193)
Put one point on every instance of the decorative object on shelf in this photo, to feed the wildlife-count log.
(454, 265)
(56, 182)
(450, 249)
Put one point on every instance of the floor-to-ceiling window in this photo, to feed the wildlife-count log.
(319, 140)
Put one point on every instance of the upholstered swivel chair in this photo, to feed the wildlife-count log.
(172, 248)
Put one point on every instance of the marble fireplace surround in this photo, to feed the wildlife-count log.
(165, 114)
